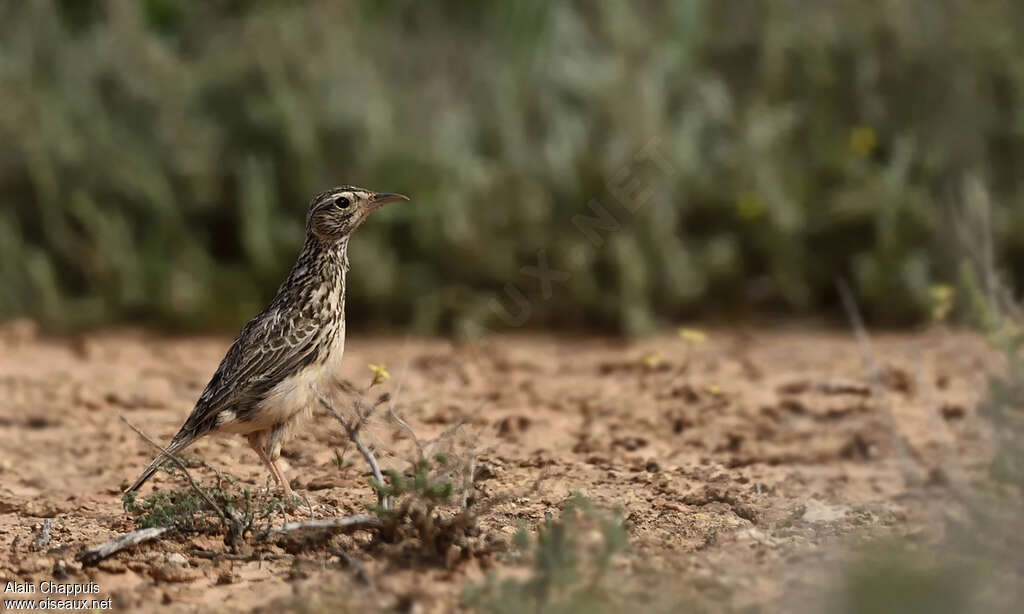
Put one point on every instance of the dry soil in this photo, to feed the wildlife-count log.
(741, 463)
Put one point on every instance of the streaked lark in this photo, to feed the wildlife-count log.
(264, 383)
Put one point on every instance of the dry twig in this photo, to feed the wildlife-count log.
(424, 448)
(347, 523)
(877, 379)
(228, 556)
(202, 493)
(408, 429)
(94, 555)
(352, 427)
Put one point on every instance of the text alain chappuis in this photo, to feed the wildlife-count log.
(47, 595)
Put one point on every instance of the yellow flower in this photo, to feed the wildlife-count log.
(380, 374)
(942, 296)
(651, 361)
(715, 389)
(691, 335)
(863, 140)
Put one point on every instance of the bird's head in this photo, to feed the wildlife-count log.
(334, 214)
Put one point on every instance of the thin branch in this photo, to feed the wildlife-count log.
(202, 493)
(875, 374)
(94, 555)
(447, 436)
(353, 435)
(255, 556)
(400, 381)
(220, 476)
(350, 523)
(408, 429)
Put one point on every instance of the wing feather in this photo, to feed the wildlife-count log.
(269, 348)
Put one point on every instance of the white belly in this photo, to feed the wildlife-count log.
(293, 398)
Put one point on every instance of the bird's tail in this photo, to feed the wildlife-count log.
(179, 443)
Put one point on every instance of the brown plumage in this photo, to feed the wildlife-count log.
(263, 384)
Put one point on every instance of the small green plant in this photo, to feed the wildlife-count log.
(418, 510)
(429, 482)
(571, 557)
(205, 508)
(340, 461)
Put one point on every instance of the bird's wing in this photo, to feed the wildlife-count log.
(270, 347)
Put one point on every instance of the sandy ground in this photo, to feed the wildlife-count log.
(740, 463)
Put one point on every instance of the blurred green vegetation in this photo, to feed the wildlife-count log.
(567, 575)
(156, 157)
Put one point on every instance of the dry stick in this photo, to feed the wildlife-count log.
(353, 435)
(227, 556)
(393, 398)
(408, 429)
(181, 465)
(96, 554)
(220, 476)
(351, 523)
(448, 434)
(309, 505)
(421, 448)
(343, 523)
(877, 385)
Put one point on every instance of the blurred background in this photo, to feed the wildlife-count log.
(675, 159)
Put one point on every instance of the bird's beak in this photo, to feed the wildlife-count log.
(382, 198)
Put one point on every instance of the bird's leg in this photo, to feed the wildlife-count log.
(273, 453)
(288, 492)
(258, 441)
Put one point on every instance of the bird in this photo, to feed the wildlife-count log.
(267, 379)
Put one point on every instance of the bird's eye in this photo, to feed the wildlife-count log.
(342, 203)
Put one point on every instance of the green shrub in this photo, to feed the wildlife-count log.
(156, 157)
(187, 511)
(569, 572)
